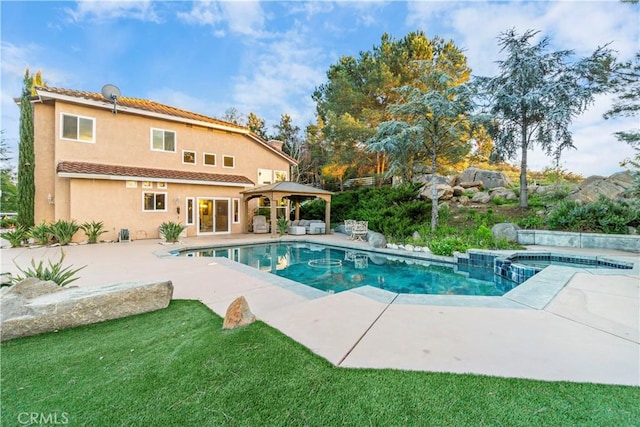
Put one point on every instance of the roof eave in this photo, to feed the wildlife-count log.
(84, 175)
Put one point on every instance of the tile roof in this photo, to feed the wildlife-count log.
(130, 171)
(157, 108)
(141, 104)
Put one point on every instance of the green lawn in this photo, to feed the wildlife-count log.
(176, 367)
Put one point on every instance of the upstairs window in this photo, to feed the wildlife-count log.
(77, 128)
(189, 157)
(163, 140)
(209, 159)
(228, 162)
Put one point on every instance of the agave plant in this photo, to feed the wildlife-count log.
(282, 225)
(41, 233)
(53, 272)
(171, 231)
(93, 230)
(63, 231)
(16, 237)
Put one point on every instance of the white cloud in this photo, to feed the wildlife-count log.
(142, 10)
(203, 13)
(241, 17)
(280, 79)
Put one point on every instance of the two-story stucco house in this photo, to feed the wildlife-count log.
(141, 163)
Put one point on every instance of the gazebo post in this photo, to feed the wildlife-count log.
(327, 216)
(272, 203)
(297, 216)
(244, 218)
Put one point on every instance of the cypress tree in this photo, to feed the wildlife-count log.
(26, 157)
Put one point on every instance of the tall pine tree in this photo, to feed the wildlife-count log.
(26, 157)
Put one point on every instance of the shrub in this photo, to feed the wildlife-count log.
(7, 222)
(93, 230)
(16, 237)
(41, 233)
(63, 231)
(53, 272)
(171, 231)
(530, 222)
(445, 246)
(601, 216)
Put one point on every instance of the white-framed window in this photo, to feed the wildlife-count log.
(77, 128)
(154, 202)
(162, 185)
(163, 140)
(147, 184)
(188, 157)
(235, 212)
(189, 214)
(279, 176)
(208, 159)
(264, 176)
(228, 162)
(132, 184)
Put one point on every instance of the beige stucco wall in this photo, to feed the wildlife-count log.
(125, 139)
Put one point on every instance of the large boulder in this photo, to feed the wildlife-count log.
(505, 230)
(377, 240)
(481, 197)
(34, 308)
(612, 187)
(489, 179)
(503, 193)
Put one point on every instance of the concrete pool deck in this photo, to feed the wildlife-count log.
(588, 332)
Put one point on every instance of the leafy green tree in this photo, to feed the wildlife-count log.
(26, 157)
(626, 85)
(431, 123)
(354, 100)
(536, 95)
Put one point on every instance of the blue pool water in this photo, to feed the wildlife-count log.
(334, 269)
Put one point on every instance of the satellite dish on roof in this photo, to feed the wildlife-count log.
(111, 93)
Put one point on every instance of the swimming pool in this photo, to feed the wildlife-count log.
(334, 269)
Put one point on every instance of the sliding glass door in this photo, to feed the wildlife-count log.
(213, 216)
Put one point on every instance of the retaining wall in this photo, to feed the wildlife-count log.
(621, 242)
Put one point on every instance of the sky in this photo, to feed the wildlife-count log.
(268, 57)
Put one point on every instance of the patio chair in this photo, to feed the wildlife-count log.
(359, 230)
(348, 226)
(260, 225)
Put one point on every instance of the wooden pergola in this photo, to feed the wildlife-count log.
(286, 190)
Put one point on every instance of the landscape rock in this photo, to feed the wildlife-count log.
(489, 179)
(71, 307)
(505, 230)
(470, 184)
(238, 314)
(458, 191)
(613, 187)
(377, 240)
(32, 287)
(503, 193)
(481, 197)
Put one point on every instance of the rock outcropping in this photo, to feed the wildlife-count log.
(612, 187)
(32, 306)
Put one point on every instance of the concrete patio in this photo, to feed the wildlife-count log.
(589, 332)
